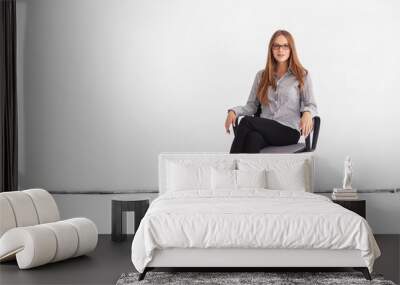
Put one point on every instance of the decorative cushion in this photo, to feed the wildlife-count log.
(285, 174)
(187, 174)
(223, 179)
(182, 177)
(227, 179)
(251, 178)
(293, 178)
(231, 161)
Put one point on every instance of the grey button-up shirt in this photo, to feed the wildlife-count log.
(285, 103)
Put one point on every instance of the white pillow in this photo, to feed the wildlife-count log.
(188, 177)
(192, 173)
(283, 174)
(237, 179)
(294, 178)
(251, 178)
(223, 179)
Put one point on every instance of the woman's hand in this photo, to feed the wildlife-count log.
(306, 124)
(230, 120)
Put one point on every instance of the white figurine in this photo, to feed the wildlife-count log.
(348, 172)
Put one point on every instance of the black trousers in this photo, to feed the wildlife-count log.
(255, 133)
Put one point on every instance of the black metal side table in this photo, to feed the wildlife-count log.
(357, 206)
(121, 205)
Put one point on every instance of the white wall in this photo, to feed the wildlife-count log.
(107, 85)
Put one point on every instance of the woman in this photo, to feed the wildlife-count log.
(285, 92)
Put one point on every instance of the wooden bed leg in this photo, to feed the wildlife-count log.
(364, 271)
(143, 274)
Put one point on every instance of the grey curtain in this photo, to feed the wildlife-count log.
(8, 97)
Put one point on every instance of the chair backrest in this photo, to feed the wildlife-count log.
(258, 112)
(26, 208)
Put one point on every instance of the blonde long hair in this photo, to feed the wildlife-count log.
(267, 77)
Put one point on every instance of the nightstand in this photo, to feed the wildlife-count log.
(357, 206)
(121, 205)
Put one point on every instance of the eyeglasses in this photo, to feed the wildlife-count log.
(277, 46)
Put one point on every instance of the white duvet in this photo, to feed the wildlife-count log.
(250, 218)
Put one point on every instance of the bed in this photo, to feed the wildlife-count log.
(247, 210)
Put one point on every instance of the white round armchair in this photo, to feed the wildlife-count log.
(32, 233)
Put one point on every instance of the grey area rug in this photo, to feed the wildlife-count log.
(273, 278)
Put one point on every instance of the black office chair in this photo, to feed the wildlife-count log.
(309, 145)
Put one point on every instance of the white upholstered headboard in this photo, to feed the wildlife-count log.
(212, 156)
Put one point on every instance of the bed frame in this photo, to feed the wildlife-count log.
(242, 259)
(248, 259)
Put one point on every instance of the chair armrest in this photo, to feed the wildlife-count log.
(312, 145)
(236, 124)
(317, 123)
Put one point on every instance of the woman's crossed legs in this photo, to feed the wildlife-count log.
(255, 133)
